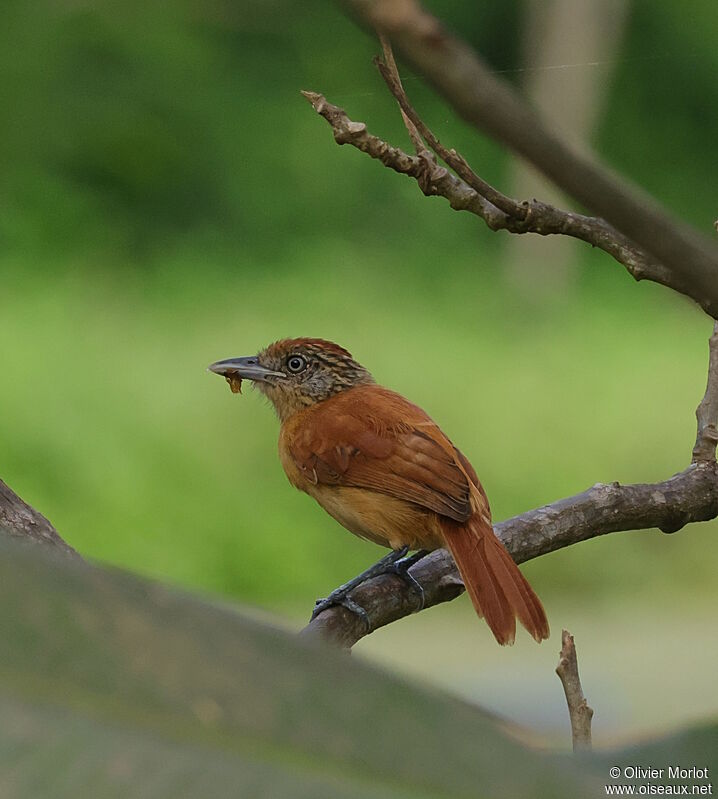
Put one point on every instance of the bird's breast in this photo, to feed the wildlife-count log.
(378, 517)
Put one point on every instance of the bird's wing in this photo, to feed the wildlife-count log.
(385, 445)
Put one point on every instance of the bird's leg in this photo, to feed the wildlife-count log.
(402, 566)
(340, 596)
(393, 563)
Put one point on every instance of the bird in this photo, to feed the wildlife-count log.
(381, 467)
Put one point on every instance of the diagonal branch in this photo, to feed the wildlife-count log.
(19, 520)
(478, 199)
(690, 260)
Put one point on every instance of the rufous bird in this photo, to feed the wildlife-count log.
(384, 470)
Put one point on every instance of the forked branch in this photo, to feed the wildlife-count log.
(688, 260)
(481, 199)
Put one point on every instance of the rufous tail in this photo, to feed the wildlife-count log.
(499, 592)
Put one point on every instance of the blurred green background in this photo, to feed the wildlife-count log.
(168, 198)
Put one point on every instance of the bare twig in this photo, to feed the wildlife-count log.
(414, 134)
(451, 158)
(578, 709)
(536, 217)
(689, 260)
(690, 496)
(19, 520)
(707, 411)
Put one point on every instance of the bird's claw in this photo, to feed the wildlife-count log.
(394, 563)
(401, 569)
(345, 601)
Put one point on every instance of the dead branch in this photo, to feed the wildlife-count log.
(481, 199)
(19, 520)
(411, 128)
(707, 412)
(689, 260)
(390, 73)
(579, 711)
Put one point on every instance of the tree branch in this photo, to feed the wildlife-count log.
(490, 104)
(481, 199)
(411, 128)
(579, 711)
(19, 520)
(690, 496)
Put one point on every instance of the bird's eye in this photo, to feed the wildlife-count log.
(296, 363)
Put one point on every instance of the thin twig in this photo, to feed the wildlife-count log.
(414, 134)
(707, 411)
(579, 711)
(451, 158)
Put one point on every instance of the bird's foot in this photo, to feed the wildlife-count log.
(393, 563)
(340, 597)
(401, 568)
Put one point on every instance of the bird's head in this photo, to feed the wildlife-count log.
(297, 372)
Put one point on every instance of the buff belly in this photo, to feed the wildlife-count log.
(380, 518)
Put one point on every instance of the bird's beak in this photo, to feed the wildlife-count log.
(247, 368)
